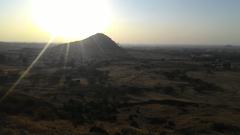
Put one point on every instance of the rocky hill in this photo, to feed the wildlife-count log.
(96, 48)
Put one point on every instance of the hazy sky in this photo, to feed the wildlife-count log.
(142, 21)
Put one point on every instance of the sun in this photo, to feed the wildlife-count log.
(72, 19)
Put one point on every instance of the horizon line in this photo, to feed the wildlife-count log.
(132, 44)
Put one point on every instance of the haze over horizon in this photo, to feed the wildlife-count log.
(138, 22)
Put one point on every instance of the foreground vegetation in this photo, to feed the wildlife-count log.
(168, 92)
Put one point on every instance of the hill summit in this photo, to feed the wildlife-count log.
(95, 48)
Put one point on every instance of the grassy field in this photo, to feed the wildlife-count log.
(157, 92)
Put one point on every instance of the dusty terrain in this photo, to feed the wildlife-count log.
(158, 91)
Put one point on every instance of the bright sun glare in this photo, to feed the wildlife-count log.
(71, 19)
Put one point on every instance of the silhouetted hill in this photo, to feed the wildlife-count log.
(98, 47)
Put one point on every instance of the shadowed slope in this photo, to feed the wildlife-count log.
(98, 47)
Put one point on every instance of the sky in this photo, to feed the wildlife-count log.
(141, 22)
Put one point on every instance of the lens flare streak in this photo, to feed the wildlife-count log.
(63, 79)
(11, 89)
(66, 56)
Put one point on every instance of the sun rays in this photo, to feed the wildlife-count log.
(65, 64)
(24, 74)
(29, 68)
(68, 19)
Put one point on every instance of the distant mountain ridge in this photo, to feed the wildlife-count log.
(96, 48)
